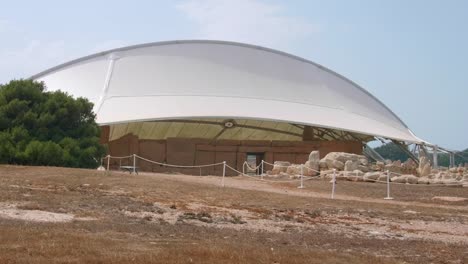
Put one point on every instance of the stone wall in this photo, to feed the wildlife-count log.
(185, 151)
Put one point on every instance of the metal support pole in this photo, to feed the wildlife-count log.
(334, 183)
(224, 173)
(243, 167)
(134, 163)
(452, 159)
(302, 177)
(388, 187)
(200, 171)
(108, 162)
(434, 153)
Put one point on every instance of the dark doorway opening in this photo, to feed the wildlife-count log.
(254, 159)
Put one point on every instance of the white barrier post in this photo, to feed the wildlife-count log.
(134, 163)
(243, 167)
(108, 162)
(224, 173)
(388, 187)
(261, 172)
(261, 167)
(334, 183)
(302, 177)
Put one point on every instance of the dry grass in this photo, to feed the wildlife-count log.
(216, 225)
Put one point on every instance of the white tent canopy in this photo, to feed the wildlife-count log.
(216, 79)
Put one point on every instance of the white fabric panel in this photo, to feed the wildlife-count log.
(81, 80)
(209, 79)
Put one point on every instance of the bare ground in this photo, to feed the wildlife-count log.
(58, 215)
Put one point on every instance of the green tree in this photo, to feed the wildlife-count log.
(38, 127)
(460, 158)
(392, 152)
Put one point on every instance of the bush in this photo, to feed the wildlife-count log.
(46, 128)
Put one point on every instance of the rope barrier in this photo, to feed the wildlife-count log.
(250, 168)
(117, 157)
(302, 178)
(179, 166)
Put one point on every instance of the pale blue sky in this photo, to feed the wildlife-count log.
(411, 54)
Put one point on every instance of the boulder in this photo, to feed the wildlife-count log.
(343, 157)
(323, 164)
(375, 167)
(351, 165)
(363, 162)
(311, 168)
(453, 170)
(392, 168)
(407, 178)
(424, 168)
(424, 180)
(398, 179)
(409, 167)
(314, 156)
(294, 169)
(382, 177)
(326, 173)
(448, 176)
(380, 165)
(371, 176)
(363, 168)
(334, 164)
(411, 179)
(355, 175)
(280, 166)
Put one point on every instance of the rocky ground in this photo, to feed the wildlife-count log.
(352, 167)
(57, 215)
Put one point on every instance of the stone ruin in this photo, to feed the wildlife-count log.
(353, 167)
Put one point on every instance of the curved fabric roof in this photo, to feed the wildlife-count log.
(216, 79)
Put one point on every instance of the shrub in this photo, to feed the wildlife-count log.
(38, 127)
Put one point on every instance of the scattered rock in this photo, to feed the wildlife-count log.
(449, 198)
